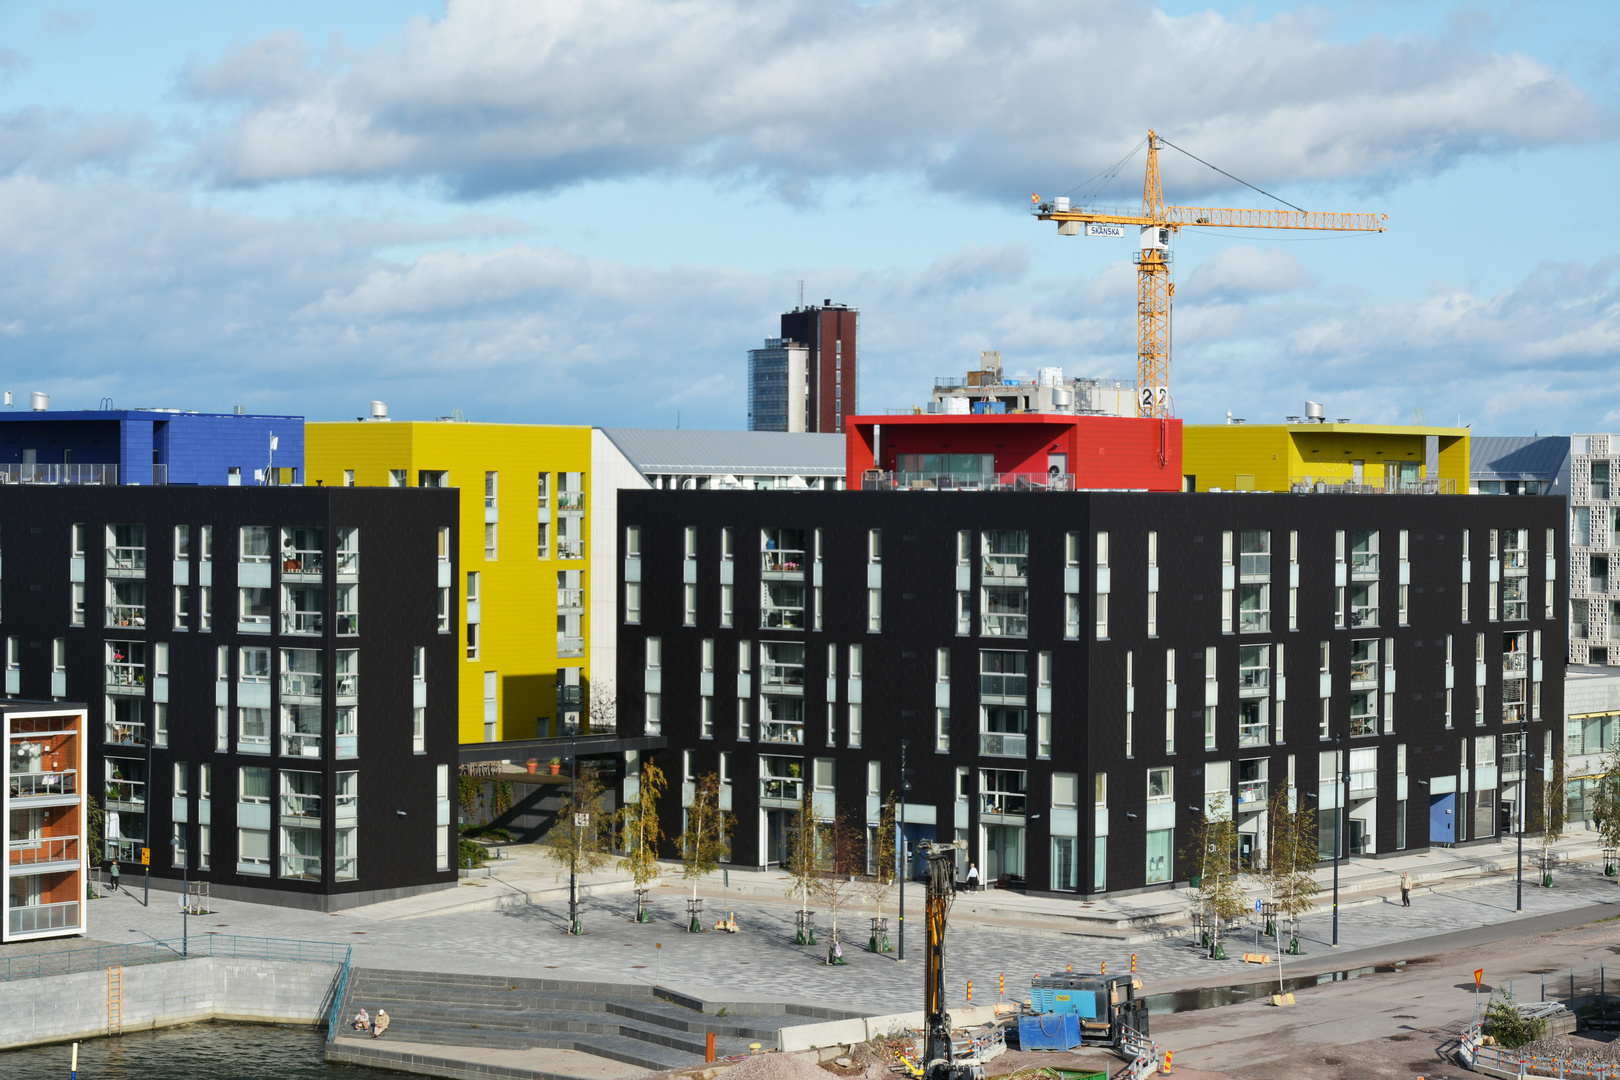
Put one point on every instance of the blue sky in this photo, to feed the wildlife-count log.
(586, 212)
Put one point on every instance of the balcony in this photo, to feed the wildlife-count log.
(570, 500)
(775, 731)
(126, 795)
(302, 684)
(1363, 674)
(1254, 681)
(571, 598)
(122, 734)
(1002, 744)
(1254, 794)
(781, 618)
(1365, 615)
(1254, 621)
(300, 564)
(781, 678)
(42, 785)
(301, 744)
(781, 565)
(307, 867)
(304, 807)
(570, 646)
(570, 549)
(348, 623)
(1597, 584)
(126, 562)
(126, 615)
(126, 678)
(85, 475)
(1255, 567)
(1364, 564)
(1012, 803)
(1364, 784)
(124, 849)
(570, 695)
(1306, 485)
(1252, 734)
(789, 788)
(1364, 725)
(36, 917)
(1515, 663)
(1516, 561)
(1006, 625)
(346, 685)
(880, 480)
(1008, 569)
(303, 622)
(999, 685)
(44, 851)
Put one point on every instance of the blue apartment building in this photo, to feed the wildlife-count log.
(150, 446)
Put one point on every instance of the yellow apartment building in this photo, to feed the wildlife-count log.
(1320, 456)
(521, 605)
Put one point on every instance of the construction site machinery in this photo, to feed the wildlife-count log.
(1158, 223)
(939, 1061)
(1072, 1009)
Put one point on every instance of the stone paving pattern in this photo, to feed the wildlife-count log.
(991, 935)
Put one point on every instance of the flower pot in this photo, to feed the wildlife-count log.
(534, 766)
(556, 768)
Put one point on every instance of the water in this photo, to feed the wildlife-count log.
(1211, 997)
(197, 1052)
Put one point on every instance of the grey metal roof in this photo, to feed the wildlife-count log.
(740, 453)
(1517, 457)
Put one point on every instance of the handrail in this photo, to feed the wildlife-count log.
(232, 946)
(340, 996)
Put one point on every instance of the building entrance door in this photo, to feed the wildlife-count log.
(1443, 819)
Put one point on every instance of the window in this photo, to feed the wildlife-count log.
(160, 723)
(942, 730)
(348, 478)
(397, 478)
(690, 604)
(205, 607)
(1104, 583)
(255, 544)
(442, 839)
(491, 541)
(1159, 785)
(254, 610)
(874, 610)
(874, 546)
(725, 605)
(1254, 582)
(182, 607)
(744, 727)
(706, 718)
(854, 726)
(1153, 584)
(76, 607)
(728, 552)
(444, 611)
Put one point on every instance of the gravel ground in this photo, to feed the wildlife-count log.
(1576, 1048)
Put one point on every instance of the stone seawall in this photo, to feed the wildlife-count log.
(61, 1008)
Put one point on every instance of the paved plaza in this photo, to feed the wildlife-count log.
(991, 935)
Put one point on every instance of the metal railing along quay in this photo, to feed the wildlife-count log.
(232, 946)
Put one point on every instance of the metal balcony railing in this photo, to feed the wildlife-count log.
(126, 562)
(1252, 734)
(1305, 485)
(1363, 673)
(571, 598)
(781, 618)
(775, 674)
(301, 563)
(781, 561)
(1364, 725)
(1364, 564)
(309, 684)
(570, 500)
(126, 614)
(1254, 679)
(126, 795)
(301, 743)
(1254, 793)
(1005, 567)
(1364, 616)
(307, 867)
(121, 734)
(35, 917)
(880, 480)
(995, 684)
(570, 549)
(98, 475)
(1006, 625)
(122, 675)
(1253, 622)
(301, 806)
(39, 784)
(1515, 663)
(1003, 744)
(44, 850)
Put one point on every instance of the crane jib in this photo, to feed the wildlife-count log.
(1221, 217)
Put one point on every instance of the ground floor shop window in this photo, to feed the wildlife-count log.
(1160, 845)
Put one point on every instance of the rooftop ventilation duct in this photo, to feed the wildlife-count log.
(1313, 412)
(39, 402)
(379, 410)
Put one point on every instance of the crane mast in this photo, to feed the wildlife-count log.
(1155, 292)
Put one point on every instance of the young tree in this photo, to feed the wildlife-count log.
(841, 841)
(639, 828)
(1606, 804)
(1212, 850)
(706, 840)
(581, 839)
(1552, 814)
(804, 871)
(881, 883)
(1292, 852)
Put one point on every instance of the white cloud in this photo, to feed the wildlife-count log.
(989, 98)
(1244, 270)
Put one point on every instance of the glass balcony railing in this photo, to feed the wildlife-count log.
(1251, 734)
(1255, 566)
(126, 562)
(301, 806)
(778, 618)
(126, 614)
(1003, 802)
(782, 787)
(1364, 725)
(307, 867)
(348, 562)
(125, 734)
(1006, 625)
(1363, 673)
(1515, 663)
(781, 563)
(781, 674)
(309, 684)
(301, 744)
(36, 917)
(570, 695)
(570, 646)
(1364, 563)
(775, 731)
(41, 784)
(1364, 784)
(347, 622)
(300, 563)
(1364, 616)
(1253, 622)
(1003, 744)
(996, 684)
(570, 598)
(346, 684)
(345, 807)
(122, 675)
(1255, 679)
(303, 622)
(126, 795)
(1006, 567)
(52, 849)
(1254, 793)
(570, 500)
(570, 549)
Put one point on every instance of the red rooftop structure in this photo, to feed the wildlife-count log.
(1035, 451)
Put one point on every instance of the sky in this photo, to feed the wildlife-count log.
(587, 212)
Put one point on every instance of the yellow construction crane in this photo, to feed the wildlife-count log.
(1154, 290)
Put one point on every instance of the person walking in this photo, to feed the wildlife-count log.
(973, 877)
(1406, 889)
(114, 874)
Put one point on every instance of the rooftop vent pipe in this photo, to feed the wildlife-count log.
(239, 410)
(39, 402)
(379, 410)
(1313, 412)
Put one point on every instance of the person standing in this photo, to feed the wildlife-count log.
(973, 877)
(1406, 889)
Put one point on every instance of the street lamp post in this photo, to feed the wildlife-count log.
(905, 862)
(1518, 812)
(1338, 831)
(573, 794)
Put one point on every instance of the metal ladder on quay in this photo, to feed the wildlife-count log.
(115, 1000)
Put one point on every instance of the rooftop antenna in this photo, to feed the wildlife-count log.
(677, 419)
(801, 292)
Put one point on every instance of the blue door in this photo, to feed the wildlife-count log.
(1443, 819)
(912, 837)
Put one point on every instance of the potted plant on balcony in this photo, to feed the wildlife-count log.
(556, 766)
(534, 765)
